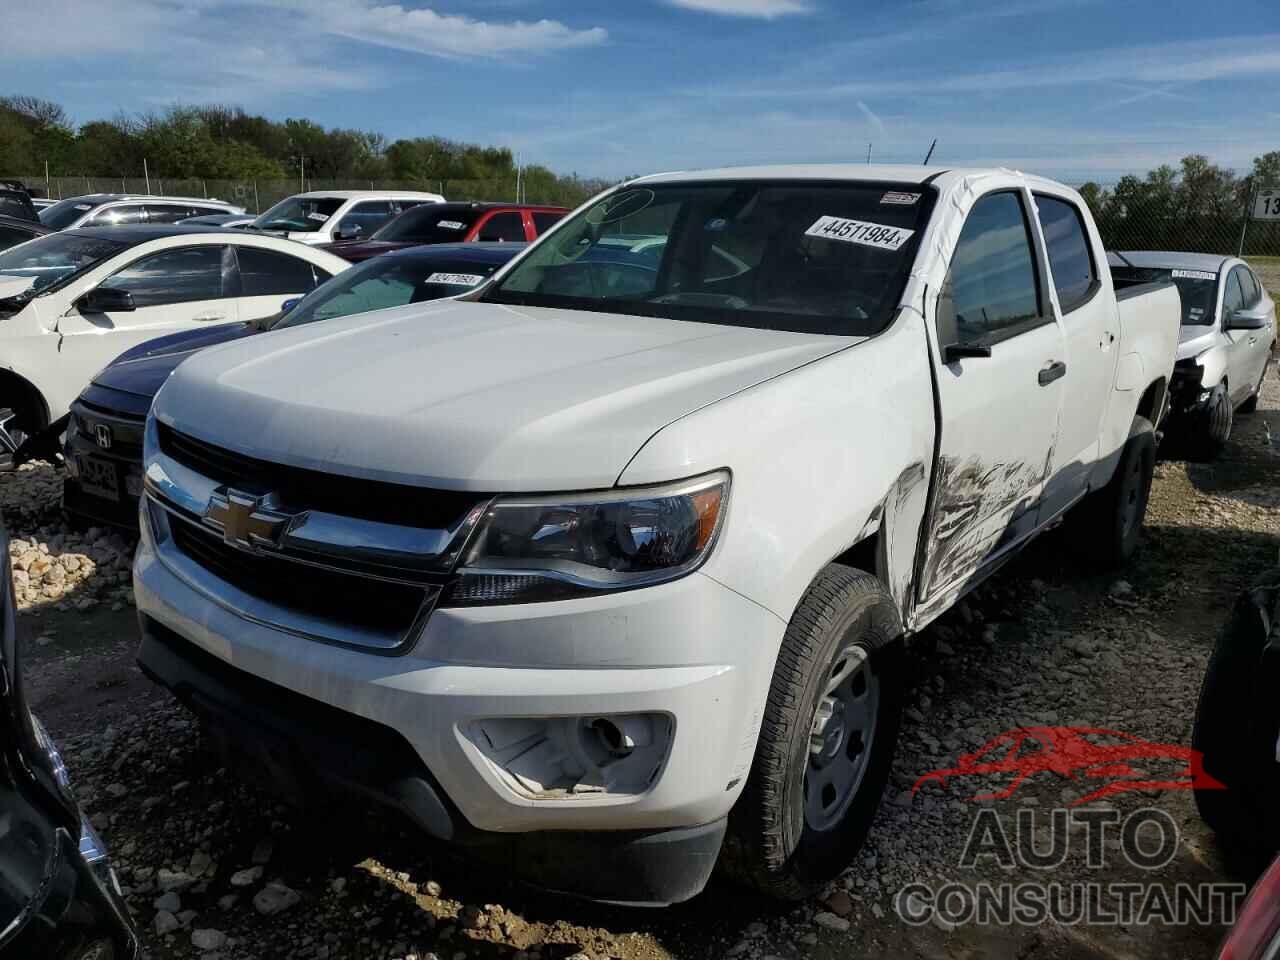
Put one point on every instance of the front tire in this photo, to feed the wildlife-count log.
(1213, 429)
(826, 742)
(1236, 727)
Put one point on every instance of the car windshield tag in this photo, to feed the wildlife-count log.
(1194, 275)
(456, 279)
(903, 199)
(319, 217)
(450, 225)
(860, 232)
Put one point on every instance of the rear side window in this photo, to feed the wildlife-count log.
(991, 290)
(11, 236)
(175, 276)
(265, 273)
(115, 216)
(1068, 248)
(368, 216)
(503, 227)
(542, 222)
(168, 212)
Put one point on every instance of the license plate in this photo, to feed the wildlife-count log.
(98, 477)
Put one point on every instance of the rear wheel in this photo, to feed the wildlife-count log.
(826, 742)
(1108, 524)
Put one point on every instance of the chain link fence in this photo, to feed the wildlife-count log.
(258, 195)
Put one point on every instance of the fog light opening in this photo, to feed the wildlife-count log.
(611, 737)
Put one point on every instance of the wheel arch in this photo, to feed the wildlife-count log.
(18, 392)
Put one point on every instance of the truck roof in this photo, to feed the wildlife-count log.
(371, 194)
(880, 172)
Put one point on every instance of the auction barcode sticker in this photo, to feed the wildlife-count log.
(1194, 275)
(902, 199)
(450, 225)
(457, 279)
(860, 232)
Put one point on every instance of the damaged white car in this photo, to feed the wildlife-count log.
(604, 570)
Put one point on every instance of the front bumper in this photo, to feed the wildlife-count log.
(691, 651)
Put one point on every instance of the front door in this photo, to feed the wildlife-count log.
(177, 289)
(999, 371)
(1090, 325)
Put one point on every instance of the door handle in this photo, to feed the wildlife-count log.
(208, 317)
(1252, 341)
(1054, 371)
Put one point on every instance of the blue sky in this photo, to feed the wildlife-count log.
(1070, 88)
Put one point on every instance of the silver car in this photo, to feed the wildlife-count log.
(1224, 345)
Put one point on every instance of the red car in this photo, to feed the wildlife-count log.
(1122, 761)
(452, 223)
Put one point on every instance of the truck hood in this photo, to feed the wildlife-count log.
(359, 250)
(471, 396)
(1195, 340)
(144, 369)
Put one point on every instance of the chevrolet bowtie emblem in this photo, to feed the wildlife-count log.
(243, 519)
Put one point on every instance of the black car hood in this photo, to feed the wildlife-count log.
(358, 250)
(143, 370)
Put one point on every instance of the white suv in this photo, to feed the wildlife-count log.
(119, 209)
(328, 216)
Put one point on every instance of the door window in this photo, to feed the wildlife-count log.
(1249, 284)
(11, 236)
(1233, 297)
(168, 212)
(503, 227)
(175, 276)
(991, 291)
(542, 222)
(368, 215)
(265, 273)
(1068, 247)
(117, 216)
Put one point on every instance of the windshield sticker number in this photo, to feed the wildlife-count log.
(318, 217)
(1194, 275)
(450, 225)
(860, 232)
(84, 206)
(902, 199)
(456, 279)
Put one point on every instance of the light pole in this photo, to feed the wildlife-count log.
(302, 172)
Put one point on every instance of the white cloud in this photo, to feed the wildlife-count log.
(760, 9)
(422, 30)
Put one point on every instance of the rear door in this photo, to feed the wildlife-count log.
(506, 226)
(999, 404)
(1090, 328)
(1259, 304)
(268, 278)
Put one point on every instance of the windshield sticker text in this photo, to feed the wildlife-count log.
(859, 232)
(456, 279)
(903, 199)
(318, 217)
(450, 225)
(1194, 275)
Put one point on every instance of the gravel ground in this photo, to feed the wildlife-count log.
(213, 868)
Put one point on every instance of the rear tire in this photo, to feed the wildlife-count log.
(827, 740)
(1236, 726)
(1107, 526)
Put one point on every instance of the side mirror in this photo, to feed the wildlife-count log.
(105, 300)
(1246, 320)
(960, 351)
(290, 304)
(350, 232)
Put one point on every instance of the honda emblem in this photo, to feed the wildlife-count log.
(103, 434)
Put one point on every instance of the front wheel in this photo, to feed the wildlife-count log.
(827, 740)
(1212, 427)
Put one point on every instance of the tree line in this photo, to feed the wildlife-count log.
(218, 142)
(1196, 206)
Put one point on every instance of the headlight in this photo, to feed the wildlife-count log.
(553, 548)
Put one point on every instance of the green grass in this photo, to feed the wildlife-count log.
(1268, 269)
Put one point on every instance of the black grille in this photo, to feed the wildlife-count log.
(126, 430)
(298, 488)
(344, 599)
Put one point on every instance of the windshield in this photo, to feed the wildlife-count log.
(805, 257)
(425, 224)
(387, 282)
(299, 214)
(1198, 289)
(60, 215)
(58, 256)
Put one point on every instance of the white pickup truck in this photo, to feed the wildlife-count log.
(604, 570)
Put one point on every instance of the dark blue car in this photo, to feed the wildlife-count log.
(103, 445)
